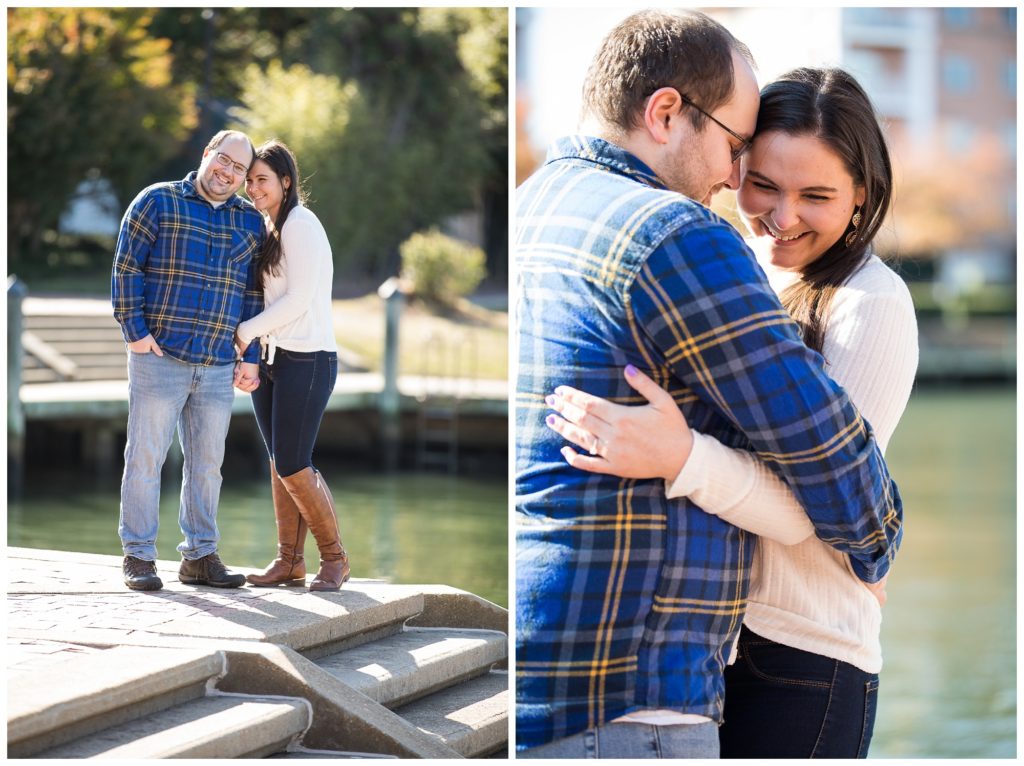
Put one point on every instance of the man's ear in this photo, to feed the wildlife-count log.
(662, 107)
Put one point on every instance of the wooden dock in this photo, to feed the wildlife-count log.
(67, 365)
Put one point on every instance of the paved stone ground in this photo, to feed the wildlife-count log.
(61, 605)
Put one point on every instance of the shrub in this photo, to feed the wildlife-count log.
(441, 268)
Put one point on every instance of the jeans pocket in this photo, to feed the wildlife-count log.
(870, 706)
(781, 664)
(303, 357)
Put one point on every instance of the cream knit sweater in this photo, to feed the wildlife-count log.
(297, 314)
(804, 593)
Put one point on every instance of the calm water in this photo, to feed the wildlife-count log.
(948, 688)
(407, 528)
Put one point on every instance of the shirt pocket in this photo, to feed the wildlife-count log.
(243, 247)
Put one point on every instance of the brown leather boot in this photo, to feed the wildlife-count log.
(289, 568)
(316, 504)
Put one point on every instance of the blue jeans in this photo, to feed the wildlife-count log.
(633, 740)
(164, 393)
(782, 702)
(290, 403)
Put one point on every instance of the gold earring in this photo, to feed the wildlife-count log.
(854, 222)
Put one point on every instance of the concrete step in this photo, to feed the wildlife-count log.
(73, 327)
(80, 321)
(211, 727)
(86, 348)
(471, 718)
(417, 662)
(77, 697)
(40, 373)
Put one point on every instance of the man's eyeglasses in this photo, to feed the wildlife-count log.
(744, 142)
(227, 162)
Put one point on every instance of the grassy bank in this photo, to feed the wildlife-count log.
(468, 341)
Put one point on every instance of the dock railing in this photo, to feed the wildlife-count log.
(16, 292)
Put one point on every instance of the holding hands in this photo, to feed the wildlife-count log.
(247, 376)
(645, 442)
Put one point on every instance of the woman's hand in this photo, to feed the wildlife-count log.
(240, 345)
(646, 442)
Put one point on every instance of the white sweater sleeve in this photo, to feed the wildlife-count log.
(301, 266)
(871, 348)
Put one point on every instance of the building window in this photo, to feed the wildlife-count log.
(957, 73)
(876, 16)
(1009, 133)
(959, 136)
(869, 68)
(958, 17)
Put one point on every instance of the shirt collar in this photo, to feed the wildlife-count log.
(188, 183)
(602, 152)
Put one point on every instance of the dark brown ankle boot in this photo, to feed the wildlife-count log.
(316, 504)
(289, 568)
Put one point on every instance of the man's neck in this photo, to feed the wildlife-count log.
(633, 141)
(204, 195)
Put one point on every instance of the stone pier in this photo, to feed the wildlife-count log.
(376, 669)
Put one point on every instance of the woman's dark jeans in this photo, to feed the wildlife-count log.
(781, 702)
(290, 403)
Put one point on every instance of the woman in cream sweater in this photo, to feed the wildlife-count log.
(815, 190)
(298, 369)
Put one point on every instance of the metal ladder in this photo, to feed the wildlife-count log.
(448, 367)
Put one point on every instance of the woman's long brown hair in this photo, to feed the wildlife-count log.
(282, 162)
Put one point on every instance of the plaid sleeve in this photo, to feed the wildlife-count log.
(703, 309)
(135, 240)
(253, 302)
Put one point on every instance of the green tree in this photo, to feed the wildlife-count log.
(87, 89)
(410, 148)
(483, 51)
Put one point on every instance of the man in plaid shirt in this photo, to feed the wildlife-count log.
(182, 282)
(627, 604)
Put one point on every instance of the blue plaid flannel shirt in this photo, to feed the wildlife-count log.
(182, 272)
(626, 600)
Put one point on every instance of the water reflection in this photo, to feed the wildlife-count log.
(948, 688)
(406, 528)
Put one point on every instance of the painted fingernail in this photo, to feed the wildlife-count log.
(630, 370)
(560, 390)
(551, 399)
(550, 420)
